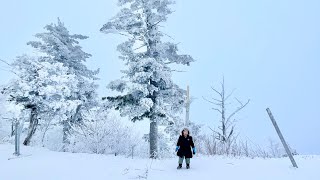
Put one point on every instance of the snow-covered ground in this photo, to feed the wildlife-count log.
(42, 164)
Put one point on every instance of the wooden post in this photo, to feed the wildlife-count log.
(17, 139)
(187, 122)
(285, 145)
(132, 150)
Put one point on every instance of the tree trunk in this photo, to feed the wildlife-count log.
(12, 129)
(32, 126)
(153, 137)
(152, 53)
(223, 114)
(67, 127)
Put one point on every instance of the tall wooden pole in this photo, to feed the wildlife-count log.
(187, 122)
(285, 145)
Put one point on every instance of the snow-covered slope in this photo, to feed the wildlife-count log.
(42, 164)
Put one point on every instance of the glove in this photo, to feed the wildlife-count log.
(194, 150)
(177, 148)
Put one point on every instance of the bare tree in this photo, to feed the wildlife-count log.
(226, 130)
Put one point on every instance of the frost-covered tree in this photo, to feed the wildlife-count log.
(58, 45)
(102, 132)
(147, 87)
(41, 88)
(226, 131)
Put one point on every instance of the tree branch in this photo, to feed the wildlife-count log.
(5, 62)
(140, 47)
(238, 109)
(217, 110)
(218, 104)
(230, 94)
(168, 36)
(217, 91)
(211, 129)
(173, 70)
(156, 23)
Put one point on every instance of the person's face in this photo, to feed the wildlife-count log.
(185, 132)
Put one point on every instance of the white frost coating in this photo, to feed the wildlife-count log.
(150, 92)
(56, 83)
(147, 82)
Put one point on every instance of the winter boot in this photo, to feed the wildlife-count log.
(180, 166)
(188, 166)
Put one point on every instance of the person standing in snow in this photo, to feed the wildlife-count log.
(185, 148)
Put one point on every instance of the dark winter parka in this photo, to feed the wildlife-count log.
(185, 144)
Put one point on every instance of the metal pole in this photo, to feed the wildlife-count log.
(285, 145)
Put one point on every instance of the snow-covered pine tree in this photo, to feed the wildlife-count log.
(147, 87)
(59, 45)
(41, 88)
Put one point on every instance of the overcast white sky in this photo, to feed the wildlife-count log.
(268, 50)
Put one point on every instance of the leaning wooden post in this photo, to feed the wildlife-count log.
(285, 145)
